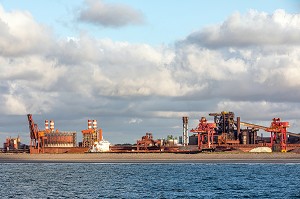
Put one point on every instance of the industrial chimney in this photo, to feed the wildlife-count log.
(89, 124)
(185, 136)
(46, 124)
(52, 125)
(94, 124)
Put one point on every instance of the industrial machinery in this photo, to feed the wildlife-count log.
(278, 132)
(147, 141)
(228, 130)
(92, 134)
(205, 133)
(48, 137)
(37, 137)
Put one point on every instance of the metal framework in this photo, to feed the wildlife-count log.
(226, 128)
(37, 137)
(278, 132)
(205, 130)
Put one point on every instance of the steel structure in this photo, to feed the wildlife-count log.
(37, 137)
(206, 132)
(226, 128)
(278, 132)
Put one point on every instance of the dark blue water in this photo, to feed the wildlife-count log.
(86, 180)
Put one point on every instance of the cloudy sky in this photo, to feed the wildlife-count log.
(138, 66)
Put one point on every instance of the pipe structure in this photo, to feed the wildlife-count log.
(238, 120)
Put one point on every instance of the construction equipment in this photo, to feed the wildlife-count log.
(206, 132)
(278, 132)
(37, 137)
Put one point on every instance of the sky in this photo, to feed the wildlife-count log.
(139, 66)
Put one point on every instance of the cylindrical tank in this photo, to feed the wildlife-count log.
(51, 125)
(46, 124)
(94, 124)
(89, 124)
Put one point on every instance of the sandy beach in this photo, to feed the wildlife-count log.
(152, 158)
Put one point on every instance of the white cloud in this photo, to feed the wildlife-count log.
(21, 34)
(135, 121)
(212, 70)
(14, 105)
(109, 15)
(254, 28)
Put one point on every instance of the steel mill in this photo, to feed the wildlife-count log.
(223, 132)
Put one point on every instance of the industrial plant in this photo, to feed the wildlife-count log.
(225, 133)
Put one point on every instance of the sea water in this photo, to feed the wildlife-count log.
(150, 180)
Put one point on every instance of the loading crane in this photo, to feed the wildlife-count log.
(37, 137)
(205, 129)
(278, 132)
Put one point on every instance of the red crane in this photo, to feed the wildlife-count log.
(205, 129)
(278, 132)
(37, 137)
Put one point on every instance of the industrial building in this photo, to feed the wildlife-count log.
(223, 132)
(92, 134)
(226, 131)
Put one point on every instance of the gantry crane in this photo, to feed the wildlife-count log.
(205, 129)
(278, 132)
(37, 137)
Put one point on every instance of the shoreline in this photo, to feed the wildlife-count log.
(151, 158)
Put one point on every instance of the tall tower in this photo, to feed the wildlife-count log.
(185, 131)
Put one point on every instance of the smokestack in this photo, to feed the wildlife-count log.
(94, 124)
(52, 125)
(185, 131)
(89, 124)
(46, 124)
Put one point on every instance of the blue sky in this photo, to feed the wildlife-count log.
(165, 21)
(139, 66)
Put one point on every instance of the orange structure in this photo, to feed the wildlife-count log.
(278, 132)
(37, 137)
(48, 137)
(206, 132)
(146, 142)
(92, 134)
